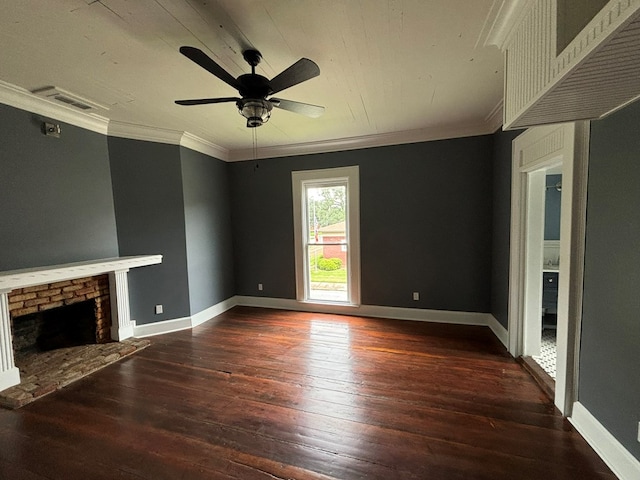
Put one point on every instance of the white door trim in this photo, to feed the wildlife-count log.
(576, 272)
(537, 148)
(534, 253)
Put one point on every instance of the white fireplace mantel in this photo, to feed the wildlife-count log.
(27, 277)
(117, 268)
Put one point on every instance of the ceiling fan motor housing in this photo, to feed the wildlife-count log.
(253, 85)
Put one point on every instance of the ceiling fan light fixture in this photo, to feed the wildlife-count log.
(257, 111)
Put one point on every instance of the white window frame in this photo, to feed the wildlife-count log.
(301, 179)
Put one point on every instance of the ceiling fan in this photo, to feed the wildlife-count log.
(254, 89)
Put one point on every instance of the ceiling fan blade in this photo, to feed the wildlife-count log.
(198, 56)
(302, 70)
(306, 109)
(204, 101)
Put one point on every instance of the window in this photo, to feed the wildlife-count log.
(327, 235)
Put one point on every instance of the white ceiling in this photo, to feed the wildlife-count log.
(392, 69)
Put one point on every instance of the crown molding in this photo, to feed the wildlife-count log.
(192, 142)
(365, 141)
(143, 132)
(22, 99)
(171, 137)
(503, 16)
(164, 135)
(494, 118)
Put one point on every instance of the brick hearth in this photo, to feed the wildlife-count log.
(44, 373)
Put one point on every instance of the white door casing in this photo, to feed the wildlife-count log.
(536, 149)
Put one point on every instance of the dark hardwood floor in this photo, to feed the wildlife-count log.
(268, 394)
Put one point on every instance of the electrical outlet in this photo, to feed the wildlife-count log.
(159, 309)
(260, 286)
(416, 295)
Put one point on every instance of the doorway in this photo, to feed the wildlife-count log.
(543, 219)
(537, 152)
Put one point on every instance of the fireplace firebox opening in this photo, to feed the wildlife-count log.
(62, 314)
(66, 326)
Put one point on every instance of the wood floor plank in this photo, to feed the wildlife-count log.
(267, 394)
(509, 437)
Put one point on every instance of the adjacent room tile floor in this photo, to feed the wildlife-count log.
(547, 357)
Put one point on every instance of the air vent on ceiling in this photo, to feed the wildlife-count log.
(62, 96)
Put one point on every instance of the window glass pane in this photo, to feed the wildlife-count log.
(326, 214)
(327, 272)
(327, 243)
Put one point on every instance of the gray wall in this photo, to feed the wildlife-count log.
(610, 350)
(55, 194)
(208, 230)
(426, 220)
(147, 189)
(501, 231)
(552, 201)
(86, 196)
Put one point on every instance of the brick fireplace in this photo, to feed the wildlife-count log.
(31, 310)
(34, 290)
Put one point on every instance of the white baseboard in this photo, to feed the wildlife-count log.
(184, 323)
(213, 311)
(396, 313)
(498, 330)
(620, 461)
(158, 328)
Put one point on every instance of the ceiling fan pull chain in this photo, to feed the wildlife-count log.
(254, 135)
